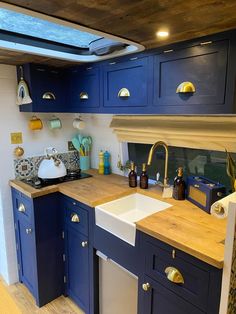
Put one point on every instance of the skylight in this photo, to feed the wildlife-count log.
(32, 26)
(26, 31)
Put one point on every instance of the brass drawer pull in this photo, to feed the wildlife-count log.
(174, 275)
(185, 87)
(21, 208)
(83, 95)
(75, 218)
(124, 93)
(146, 286)
(84, 243)
(49, 96)
(28, 231)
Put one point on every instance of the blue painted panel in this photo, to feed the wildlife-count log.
(119, 251)
(84, 80)
(205, 66)
(77, 268)
(159, 300)
(71, 209)
(132, 75)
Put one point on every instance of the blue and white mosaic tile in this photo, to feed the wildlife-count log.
(28, 167)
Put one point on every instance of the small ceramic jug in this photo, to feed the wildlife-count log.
(35, 123)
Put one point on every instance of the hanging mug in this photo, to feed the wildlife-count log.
(54, 123)
(78, 124)
(35, 123)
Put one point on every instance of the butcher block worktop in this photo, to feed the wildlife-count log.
(184, 225)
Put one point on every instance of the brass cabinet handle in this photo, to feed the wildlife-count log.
(49, 96)
(84, 243)
(146, 286)
(28, 230)
(124, 93)
(21, 208)
(186, 87)
(83, 95)
(219, 209)
(174, 275)
(75, 218)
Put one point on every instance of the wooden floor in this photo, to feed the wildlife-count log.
(26, 304)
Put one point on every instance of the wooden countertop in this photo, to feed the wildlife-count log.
(183, 225)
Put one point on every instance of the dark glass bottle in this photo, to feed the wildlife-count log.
(179, 186)
(144, 177)
(132, 176)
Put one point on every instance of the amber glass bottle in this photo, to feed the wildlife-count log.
(132, 176)
(144, 177)
(179, 186)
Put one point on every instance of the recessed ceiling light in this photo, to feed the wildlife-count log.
(162, 34)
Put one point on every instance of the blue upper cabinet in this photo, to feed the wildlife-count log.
(84, 89)
(204, 68)
(46, 87)
(126, 86)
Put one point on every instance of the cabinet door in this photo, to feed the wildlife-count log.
(77, 267)
(159, 300)
(26, 257)
(126, 84)
(43, 82)
(84, 89)
(205, 66)
(48, 81)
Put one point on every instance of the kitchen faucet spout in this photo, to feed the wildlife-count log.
(150, 156)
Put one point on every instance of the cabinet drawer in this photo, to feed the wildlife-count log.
(132, 77)
(196, 279)
(159, 300)
(22, 206)
(76, 217)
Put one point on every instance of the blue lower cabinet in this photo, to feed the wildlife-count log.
(80, 261)
(159, 300)
(25, 236)
(39, 245)
(77, 267)
(197, 289)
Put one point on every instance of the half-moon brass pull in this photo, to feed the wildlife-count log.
(75, 218)
(174, 275)
(83, 95)
(21, 208)
(49, 96)
(186, 87)
(124, 93)
(146, 286)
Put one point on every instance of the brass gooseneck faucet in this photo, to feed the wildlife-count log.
(151, 152)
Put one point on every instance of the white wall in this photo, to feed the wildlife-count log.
(11, 120)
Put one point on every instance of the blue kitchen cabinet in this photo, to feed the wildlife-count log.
(79, 254)
(46, 87)
(126, 86)
(84, 89)
(159, 300)
(39, 245)
(205, 66)
(199, 291)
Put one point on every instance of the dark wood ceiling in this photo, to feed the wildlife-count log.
(135, 20)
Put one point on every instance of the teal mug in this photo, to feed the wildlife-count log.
(55, 123)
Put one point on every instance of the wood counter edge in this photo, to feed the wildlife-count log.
(195, 253)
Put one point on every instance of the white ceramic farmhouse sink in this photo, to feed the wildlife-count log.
(118, 217)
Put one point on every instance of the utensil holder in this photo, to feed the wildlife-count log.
(84, 162)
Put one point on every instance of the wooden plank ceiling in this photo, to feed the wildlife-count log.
(135, 20)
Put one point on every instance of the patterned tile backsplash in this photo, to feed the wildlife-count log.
(28, 167)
